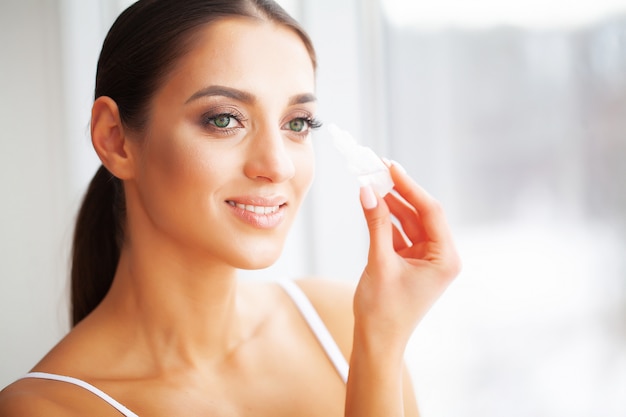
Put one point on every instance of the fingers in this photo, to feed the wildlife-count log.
(432, 219)
(423, 231)
(378, 222)
(407, 216)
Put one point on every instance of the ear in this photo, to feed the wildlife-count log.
(109, 140)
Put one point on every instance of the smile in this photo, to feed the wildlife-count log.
(255, 209)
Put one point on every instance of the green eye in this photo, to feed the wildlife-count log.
(297, 125)
(222, 121)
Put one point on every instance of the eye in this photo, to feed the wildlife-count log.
(222, 121)
(297, 125)
(302, 125)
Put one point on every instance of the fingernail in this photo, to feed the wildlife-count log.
(368, 198)
(400, 167)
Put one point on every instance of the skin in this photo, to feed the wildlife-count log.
(178, 334)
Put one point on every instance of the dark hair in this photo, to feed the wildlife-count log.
(140, 50)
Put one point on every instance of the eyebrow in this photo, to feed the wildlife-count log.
(302, 98)
(243, 96)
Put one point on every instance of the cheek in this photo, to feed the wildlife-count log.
(166, 165)
(175, 172)
(175, 158)
(305, 166)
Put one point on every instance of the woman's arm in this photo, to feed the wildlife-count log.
(333, 300)
(407, 271)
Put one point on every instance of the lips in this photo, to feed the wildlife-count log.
(259, 212)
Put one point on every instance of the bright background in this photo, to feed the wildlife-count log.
(512, 113)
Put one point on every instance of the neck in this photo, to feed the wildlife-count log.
(182, 315)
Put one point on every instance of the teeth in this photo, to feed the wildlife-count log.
(255, 209)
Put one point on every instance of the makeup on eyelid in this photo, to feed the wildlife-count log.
(362, 161)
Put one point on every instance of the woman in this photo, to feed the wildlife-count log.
(202, 119)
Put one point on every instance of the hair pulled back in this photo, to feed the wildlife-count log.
(140, 50)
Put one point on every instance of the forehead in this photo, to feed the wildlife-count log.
(252, 55)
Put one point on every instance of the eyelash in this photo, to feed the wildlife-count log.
(313, 122)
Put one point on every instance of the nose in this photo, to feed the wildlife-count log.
(268, 157)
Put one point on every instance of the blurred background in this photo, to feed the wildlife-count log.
(512, 113)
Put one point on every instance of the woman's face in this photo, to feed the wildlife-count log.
(227, 158)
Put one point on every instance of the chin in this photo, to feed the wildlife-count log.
(257, 264)
(258, 258)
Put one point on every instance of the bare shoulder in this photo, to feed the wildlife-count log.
(26, 398)
(34, 397)
(329, 295)
(333, 301)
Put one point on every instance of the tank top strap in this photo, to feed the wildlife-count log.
(317, 326)
(85, 385)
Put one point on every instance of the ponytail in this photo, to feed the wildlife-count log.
(97, 242)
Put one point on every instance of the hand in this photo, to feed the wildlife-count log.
(406, 270)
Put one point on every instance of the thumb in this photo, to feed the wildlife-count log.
(378, 222)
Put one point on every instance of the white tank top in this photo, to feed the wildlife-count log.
(300, 300)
